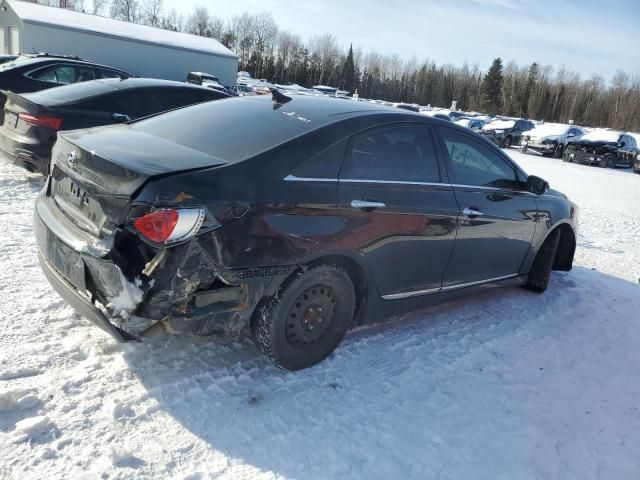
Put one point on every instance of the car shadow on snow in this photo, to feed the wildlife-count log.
(376, 405)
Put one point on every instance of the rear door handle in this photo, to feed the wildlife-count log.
(364, 204)
(470, 212)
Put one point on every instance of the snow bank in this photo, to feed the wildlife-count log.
(31, 427)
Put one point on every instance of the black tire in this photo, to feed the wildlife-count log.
(507, 142)
(283, 327)
(538, 278)
(557, 152)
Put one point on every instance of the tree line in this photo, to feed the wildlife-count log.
(267, 51)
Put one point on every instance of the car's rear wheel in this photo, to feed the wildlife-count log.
(540, 273)
(507, 142)
(557, 152)
(307, 319)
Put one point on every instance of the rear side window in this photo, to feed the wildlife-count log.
(325, 164)
(105, 73)
(399, 153)
(471, 163)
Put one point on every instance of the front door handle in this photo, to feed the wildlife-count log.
(364, 204)
(471, 213)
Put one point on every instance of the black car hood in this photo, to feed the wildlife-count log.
(140, 152)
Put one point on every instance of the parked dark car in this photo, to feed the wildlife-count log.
(604, 148)
(32, 120)
(550, 138)
(328, 215)
(506, 133)
(40, 71)
(206, 80)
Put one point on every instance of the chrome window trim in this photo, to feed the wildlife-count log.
(415, 293)
(393, 182)
(293, 178)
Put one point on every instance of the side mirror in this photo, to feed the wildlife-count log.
(537, 185)
(120, 117)
(571, 135)
(621, 144)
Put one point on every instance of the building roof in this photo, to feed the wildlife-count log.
(70, 20)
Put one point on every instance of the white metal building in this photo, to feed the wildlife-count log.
(137, 49)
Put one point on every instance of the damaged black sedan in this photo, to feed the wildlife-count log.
(603, 148)
(291, 218)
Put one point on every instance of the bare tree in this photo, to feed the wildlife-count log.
(199, 22)
(151, 12)
(174, 21)
(127, 10)
(98, 6)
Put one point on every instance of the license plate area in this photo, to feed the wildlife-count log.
(77, 203)
(68, 262)
(10, 119)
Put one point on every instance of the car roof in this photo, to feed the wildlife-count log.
(136, 82)
(81, 91)
(36, 59)
(219, 128)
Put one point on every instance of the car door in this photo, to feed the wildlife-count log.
(497, 217)
(393, 198)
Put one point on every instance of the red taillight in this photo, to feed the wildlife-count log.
(54, 123)
(158, 226)
(171, 225)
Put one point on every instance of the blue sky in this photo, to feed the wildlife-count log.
(589, 36)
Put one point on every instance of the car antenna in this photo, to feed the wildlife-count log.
(279, 98)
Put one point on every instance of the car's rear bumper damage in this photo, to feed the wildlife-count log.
(179, 289)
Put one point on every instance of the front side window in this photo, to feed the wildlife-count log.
(471, 163)
(399, 153)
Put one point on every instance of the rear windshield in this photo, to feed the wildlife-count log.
(69, 93)
(232, 129)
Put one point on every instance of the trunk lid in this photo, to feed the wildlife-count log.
(16, 104)
(96, 172)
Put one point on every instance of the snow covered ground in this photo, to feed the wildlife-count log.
(502, 385)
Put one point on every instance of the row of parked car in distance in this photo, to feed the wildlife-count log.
(602, 147)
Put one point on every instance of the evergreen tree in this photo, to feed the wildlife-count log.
(532, 78)
(349, 72)
(492, 88)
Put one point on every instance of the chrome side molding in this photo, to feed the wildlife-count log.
(416, 293)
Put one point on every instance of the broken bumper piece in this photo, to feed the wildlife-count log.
(81, 303)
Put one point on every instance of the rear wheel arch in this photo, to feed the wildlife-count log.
(357, 274)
